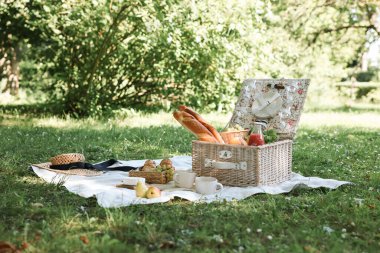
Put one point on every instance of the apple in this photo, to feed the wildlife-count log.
(141, 189)
(153, 192)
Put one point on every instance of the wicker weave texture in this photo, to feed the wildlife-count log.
(264, 165)
(234, 136)
(67, 158)
(78, 172)
(150, 177)
(274, 163)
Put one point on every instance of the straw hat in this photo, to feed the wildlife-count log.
(68, 159)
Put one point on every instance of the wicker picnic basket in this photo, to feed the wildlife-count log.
(151, 177)
(269, 164)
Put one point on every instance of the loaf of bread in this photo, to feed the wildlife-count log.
(198, 117)
(194, 126)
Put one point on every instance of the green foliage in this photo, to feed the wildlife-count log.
(105, 54)
(373, 96)
(372, 74)
(270, 136)
(94, 56)
(365, 76)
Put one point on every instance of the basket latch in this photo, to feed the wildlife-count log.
(225, 154)
(225, 165)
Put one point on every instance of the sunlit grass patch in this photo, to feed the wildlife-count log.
(340, 119)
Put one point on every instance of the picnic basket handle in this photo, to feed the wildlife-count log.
(225, 165)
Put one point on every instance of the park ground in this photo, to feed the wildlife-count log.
(341, 143)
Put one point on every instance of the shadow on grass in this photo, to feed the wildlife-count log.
(56, 109)
(36, 109)
(25, 144)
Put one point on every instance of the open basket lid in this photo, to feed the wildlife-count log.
(276, 101)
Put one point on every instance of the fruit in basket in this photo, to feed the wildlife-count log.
(153, 192)
(159, 169)
(149, 166)
(166, 163)
(166, 166)
(169, 174)
(141, 189)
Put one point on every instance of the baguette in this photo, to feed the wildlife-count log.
(198, 117)
(194, 126)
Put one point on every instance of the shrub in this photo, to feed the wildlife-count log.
(105, 54)
(101, 55)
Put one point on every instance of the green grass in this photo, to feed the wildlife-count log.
(335, 145)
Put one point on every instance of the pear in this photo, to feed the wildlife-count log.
(141, 189)
(153, 192)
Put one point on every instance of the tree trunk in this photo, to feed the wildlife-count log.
(15, 73)
(12, 71)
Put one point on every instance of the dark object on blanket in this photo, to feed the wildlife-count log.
(74, 164)
(130, 187)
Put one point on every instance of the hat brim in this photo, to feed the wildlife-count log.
(77, 172)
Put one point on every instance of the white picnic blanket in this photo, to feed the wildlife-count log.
(103, 187)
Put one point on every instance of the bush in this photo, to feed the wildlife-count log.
(366, 76)
(374, 96)
(105, 55)
(95, 56)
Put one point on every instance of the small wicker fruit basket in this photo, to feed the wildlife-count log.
(238, 165)
(151, 177)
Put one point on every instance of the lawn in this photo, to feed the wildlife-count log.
(341, 144)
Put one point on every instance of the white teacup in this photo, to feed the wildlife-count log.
(184, 179)
(207, 185)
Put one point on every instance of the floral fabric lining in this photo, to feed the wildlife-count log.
(293, 94)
